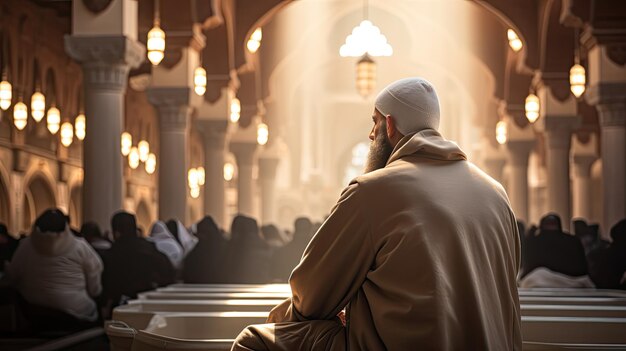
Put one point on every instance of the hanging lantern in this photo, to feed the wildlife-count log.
(365, 75)
(6, 94)
(144, 150)
(156, 38)
(80, 127)
(235, 110)
(194, 192)
(201, 175)
(67, 134)
(151, 163)
(254, 43)
(577, 80)
(54, 120)
(37, 106)
(127, 143)
(229, 171)
(133, 157)
(262, 134)
(532, 108)
(192, 178)
(514, 41)
(501, 132)
(20, 115)
(199, 80)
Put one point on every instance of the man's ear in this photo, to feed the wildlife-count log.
(391, 127)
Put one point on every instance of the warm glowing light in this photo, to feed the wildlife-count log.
(151, 163)
(38, 106)
(6, 94)
(199, 80)
(156, 45)
(254, 43)
(514, 41)
(501, 132)
(20, 115)
(194, 192)
(192, 178)
(365, 76)
(366, 39)
(80, 127)
(532, 108)
(262, 134)
(67, 134)
(127, 143)
(54, 119)
(235, 110)
(144, 150)
(229, 171)
(201, 175)
(133, 157)
(577, 80)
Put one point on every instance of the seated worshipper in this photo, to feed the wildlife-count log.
(8, 245)
(205, 262)
(288, 257)
(55, 271)
(186, 240)
(607, 266)
(540, 250)
(407, 250)
(133, 264)
(166, 243)
(248, 256)
(91, 232)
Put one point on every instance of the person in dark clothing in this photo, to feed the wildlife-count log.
(8, 245)
(276, 241)
(249, 256)
(91, 232)
(205, 262)
(133, 264)
(288, 257)
(540, 250)
(607, 265)
(172, 227)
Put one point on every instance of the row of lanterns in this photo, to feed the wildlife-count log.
(138, 154)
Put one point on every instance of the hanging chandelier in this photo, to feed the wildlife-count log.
(144, 150)
(229, 171)
(501, 132)
(6, 94)
(126, 143)
(254, 43)
(37, 106)
(156, 38)
(365, 76)
(133, 158)
(67, 134)
(262, 134)
(80, 127)
(151, 163)
(532, 108)
(20, 115)
(54, 120)
(514, 41)
(199, 80)
(235, 110)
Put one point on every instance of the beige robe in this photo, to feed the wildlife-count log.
(423, 254)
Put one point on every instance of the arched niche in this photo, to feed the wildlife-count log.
(38, 197)
(5, 203)
(76, 206)
(144, 219)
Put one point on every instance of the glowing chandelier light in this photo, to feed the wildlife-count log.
(577, 80)
(67, 134)
(80, 127)
(201, 175)
(365, 76)
(37, 106)
(235, 110)
(54, 120)
(151, 163)
(501, 132)
(366, 38)
(262, 134)
(199, 80)
(127, 143)
(133, 158)
(254, 43)
(192, 178)
(20, 115)
(156, 38)
(532, 108)
(144, 150)
(6, 94)
(229, 171)
(514, 41)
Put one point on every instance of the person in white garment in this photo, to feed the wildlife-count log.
(167, 244)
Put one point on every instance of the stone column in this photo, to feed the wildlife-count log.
(173, 107)
(106, 61)
(215, 132)
(519, 151)
(245, 155)
(582, 185)
(267, 180)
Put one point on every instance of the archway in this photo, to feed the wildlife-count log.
(5, 214)
(38, 197)
(76, 206)
(144, 220)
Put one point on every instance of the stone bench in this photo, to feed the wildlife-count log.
(575, 330)
(569, 292)
(573, 311)
(591, 301)
(165, 295)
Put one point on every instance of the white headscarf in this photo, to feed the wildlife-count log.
(165, 242)
(187, 240)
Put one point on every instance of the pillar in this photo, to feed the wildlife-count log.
(215, 132)
(519, 151)
(267, 181)
(245, 155)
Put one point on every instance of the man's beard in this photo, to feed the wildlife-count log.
(380, 151)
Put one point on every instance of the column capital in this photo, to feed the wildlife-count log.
(95, 49)
(519, 150)
(606, 93)
(582, 164)
(244, 152)
(268, 167)
(173, 105)
(214, 132)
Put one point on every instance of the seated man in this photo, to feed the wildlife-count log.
(422, 251)
(54, 269)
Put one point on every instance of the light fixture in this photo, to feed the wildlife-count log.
(201, 175)
(235, 110)
(514, 41)
(80, 126)
(365, 75)
(229, 171)
(20, 115)
(532, 108)
(37, 106)
(54, 120)
(156, 38)
(254, 43)
(67, 134)
(192, 178)
(262, 134)
(127, 143)
(199, 80)
(144, 150)
(366, 38)
(501, 132)
(6, 94)
(133, 157)
(151, 163)
(194, 192)
(577, 80)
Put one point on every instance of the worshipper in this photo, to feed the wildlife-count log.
(203, 265)
(276, 241)
(92, 233)
(272, 236)
(539, 253)
(55, 271)
(607, 265)
(422, 250)
(8, 245)
(166, 243)
(248, 259)
(288, 257)
(133, 264)
(184, 238)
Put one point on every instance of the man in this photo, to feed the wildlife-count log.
(422, 251)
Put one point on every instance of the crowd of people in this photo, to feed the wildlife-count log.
(70, 279)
